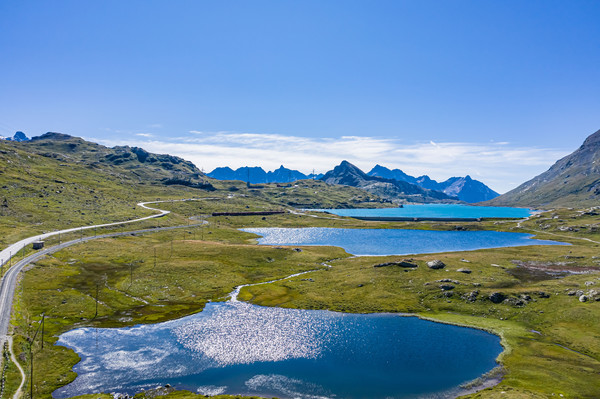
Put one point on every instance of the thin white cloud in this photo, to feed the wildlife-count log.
(144, 134)
(499, 165)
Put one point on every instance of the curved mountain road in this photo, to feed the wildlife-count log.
(6, 254)
(9, 280)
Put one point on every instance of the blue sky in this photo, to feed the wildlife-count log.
(495, 89)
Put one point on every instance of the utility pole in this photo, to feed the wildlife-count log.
(130, 274)
(31, 362)
(97, 291)
(43, 318)
(31, 372)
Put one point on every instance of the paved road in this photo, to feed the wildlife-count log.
(12, 250)
(8, 283)
(9, 280)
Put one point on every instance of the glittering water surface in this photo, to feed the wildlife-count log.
(394, 241)
(437, 211)
(238, 348)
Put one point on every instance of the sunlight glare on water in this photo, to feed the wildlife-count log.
(238, 348)
(240, 333)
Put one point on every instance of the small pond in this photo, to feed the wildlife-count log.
(238, 348)
(436, 211)
(364, 242)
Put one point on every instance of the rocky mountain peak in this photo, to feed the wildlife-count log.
(20, 136)
(592, 141)
(572, 181)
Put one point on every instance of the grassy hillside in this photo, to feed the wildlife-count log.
(59, 181)
(573, 181)
(551, 338)
(41, 193)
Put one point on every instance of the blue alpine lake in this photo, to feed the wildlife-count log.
(238, 348)
(436, 211)
(374, 242)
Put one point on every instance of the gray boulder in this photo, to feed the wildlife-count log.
(497, 297)
(471, 296)
(514, 301)
(436, 264)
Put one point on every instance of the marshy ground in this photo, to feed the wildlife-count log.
(530, 296)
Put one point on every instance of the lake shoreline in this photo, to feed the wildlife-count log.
(486, 380)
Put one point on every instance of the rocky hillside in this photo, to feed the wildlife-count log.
(465, 188)
(395, 190)
(127, 162)
(573, 181)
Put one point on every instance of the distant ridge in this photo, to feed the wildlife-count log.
(257, 175)
(465, 188)
(572, 181)
(18, 137)
(398, 191)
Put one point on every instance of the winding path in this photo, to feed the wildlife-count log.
(14, 360)
(9, 280)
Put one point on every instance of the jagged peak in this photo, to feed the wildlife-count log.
(347, 166)
(380, 167)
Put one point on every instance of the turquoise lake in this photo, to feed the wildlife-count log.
(237, 348)
(375, 242)
(441, 211)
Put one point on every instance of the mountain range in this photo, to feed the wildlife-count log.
(257, 175)
(396, 190)
(572, 181)
(463, 188)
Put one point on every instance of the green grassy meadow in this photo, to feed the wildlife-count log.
(551, 339)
